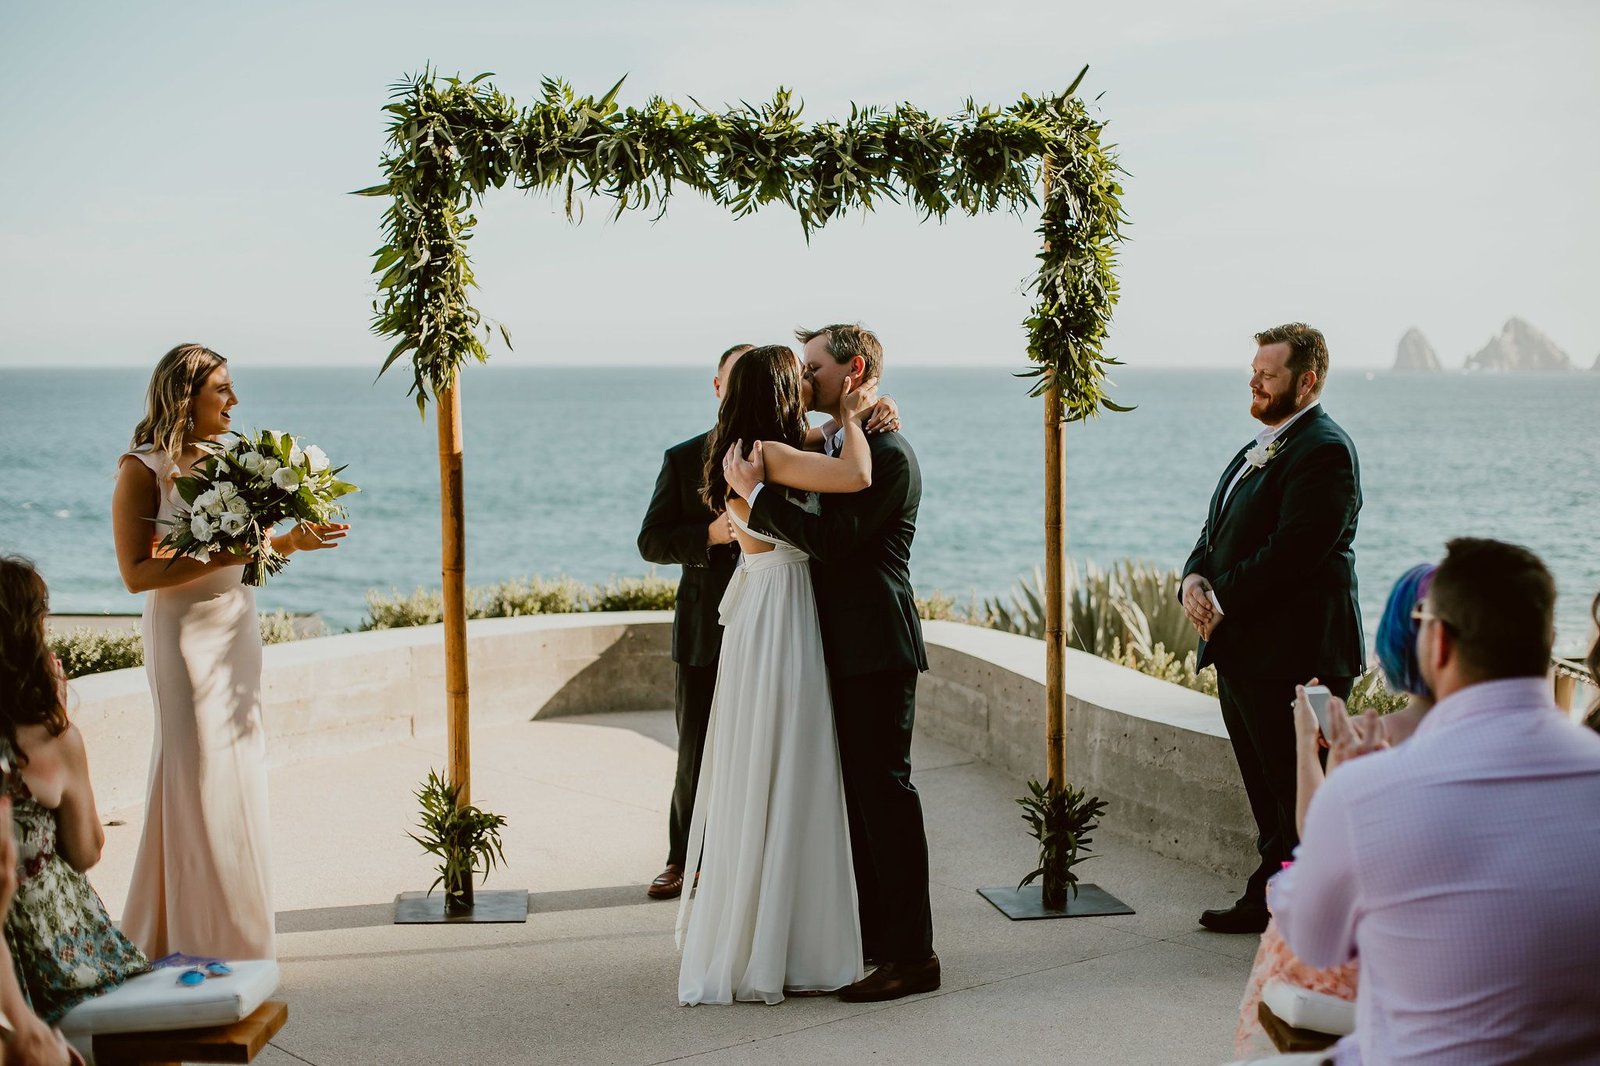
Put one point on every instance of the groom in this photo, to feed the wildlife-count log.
(860, 547)
(1271, 586)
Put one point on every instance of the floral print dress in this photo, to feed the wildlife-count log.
(62, 941)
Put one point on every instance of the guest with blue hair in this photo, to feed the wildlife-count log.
(1397, 659)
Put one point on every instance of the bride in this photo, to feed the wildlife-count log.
(774, 907)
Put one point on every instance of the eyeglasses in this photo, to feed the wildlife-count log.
(198, 974)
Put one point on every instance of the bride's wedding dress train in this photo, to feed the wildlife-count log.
(775, 905)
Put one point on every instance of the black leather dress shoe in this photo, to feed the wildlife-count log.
(892, 980)
(1239, 918)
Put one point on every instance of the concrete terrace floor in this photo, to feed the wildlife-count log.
(592, 976)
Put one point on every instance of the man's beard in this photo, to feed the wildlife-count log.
(1277, 409)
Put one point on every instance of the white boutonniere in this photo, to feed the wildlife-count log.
(1258, 457)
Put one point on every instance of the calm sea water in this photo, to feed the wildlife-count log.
(560, 463)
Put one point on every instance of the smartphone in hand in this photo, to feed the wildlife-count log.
(1318, 696)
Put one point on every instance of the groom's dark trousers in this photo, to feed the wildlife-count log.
(674, 531)
(860, 547)
(1279, 554)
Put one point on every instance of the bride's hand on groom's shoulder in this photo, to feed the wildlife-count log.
(883, 417)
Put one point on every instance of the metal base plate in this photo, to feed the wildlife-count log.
(421, 908)
(1023, 904)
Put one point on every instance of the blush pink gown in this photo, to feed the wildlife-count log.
(201, 882)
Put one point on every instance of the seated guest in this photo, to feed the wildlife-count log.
(24, 1039)
(1473, 915)
(62, 943)
(1397, 658)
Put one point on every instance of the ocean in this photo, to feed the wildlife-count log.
(560, 463)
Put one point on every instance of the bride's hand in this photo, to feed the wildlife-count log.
(857, 398)
(314, 536)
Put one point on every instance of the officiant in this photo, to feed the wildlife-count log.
(680, 528)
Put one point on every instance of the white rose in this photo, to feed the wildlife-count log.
(201, 528)
(296, 456)
(238, 506)
(1257, 456)
(269, 467)
(226, 490)
(209, 500)
(286, 478)
(317, 458)
(233, 522)
(251, 461)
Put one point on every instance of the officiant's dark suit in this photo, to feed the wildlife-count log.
(860, 547)
(674, 531)
(1278, 554)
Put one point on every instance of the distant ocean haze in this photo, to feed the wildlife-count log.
(560, 463)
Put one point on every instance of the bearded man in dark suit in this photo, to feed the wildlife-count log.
(680, 528)
(1271, 587)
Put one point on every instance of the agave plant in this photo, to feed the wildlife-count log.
(1061, 820)
(1134, 605)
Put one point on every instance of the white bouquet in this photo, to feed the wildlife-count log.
(243, 488)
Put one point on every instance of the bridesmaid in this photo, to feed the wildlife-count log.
(201, 881)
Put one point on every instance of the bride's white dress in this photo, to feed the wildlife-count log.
(775, 906)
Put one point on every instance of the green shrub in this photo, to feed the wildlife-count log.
(522, 597)
(527, 596)
(648, 593)
(89, 651)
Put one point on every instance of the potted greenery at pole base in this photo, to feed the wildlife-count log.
(1061, 820)
(466, 841)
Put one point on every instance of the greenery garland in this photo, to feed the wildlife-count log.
(450, 141)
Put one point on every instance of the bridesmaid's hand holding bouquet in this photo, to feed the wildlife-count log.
(245, 487)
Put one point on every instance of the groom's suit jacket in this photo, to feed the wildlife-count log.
(860, 548)
(1279, 554)
(674, 531)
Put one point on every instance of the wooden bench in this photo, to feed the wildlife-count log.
(1287, 1038)
(239, 1042)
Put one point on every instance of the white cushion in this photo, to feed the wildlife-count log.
(1305, 1009)
(156, 1000)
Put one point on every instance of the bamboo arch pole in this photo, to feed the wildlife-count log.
(453, 567)
(1055, 584)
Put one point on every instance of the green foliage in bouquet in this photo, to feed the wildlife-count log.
(451, 141)
(1060, 819)
(465, 840)
(241, 490)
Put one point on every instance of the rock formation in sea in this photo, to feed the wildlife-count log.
(1415, 353)
(1520, 349)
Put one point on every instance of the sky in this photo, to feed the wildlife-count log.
(180, 171)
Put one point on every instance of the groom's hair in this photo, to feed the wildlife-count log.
(847, 340)
(1308, 349)
(1497, 601)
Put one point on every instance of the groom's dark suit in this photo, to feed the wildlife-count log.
(1278, 553)
(674, 531)
(860, 547)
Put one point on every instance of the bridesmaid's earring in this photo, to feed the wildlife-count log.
(191, 423)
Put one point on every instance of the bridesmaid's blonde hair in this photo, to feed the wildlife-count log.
(169, 402)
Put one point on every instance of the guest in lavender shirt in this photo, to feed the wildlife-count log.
(1461, 866)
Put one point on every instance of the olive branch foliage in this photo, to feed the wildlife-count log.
(452, 140)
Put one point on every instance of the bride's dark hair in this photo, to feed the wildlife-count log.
(760, 401)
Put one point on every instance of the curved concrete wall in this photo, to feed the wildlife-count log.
(1156, 752)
